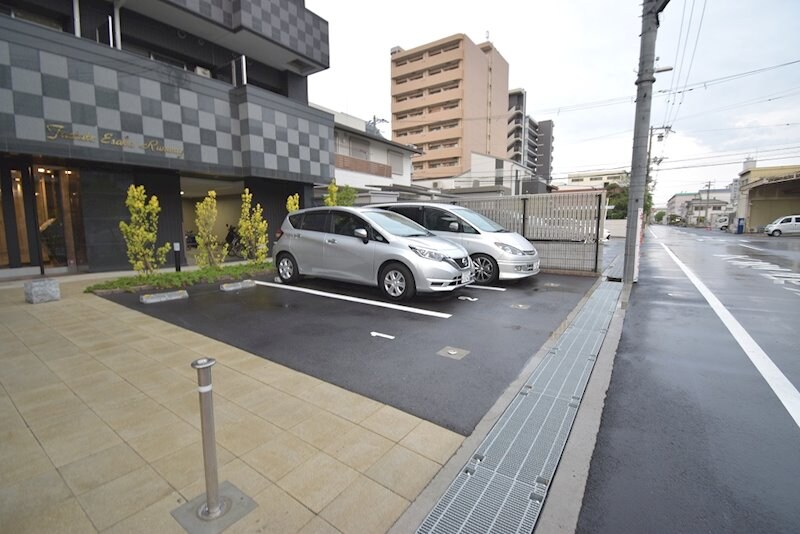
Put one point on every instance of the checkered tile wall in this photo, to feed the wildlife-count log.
(49, 100)
(287, 22)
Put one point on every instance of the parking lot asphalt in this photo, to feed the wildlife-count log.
(392, 355)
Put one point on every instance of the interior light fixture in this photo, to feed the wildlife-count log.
(181, 192)
(40, 169)
(67, 172)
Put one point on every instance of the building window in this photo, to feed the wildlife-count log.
(396, 162)
(359, 149)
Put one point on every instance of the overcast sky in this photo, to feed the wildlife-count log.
(577, 60)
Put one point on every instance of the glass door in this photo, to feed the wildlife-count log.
(17, 244)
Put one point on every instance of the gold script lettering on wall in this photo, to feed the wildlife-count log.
(58, 132)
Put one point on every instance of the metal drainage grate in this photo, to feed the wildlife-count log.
(503, 486)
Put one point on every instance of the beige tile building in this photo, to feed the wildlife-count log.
(449, 99)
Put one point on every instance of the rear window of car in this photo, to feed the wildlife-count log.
(314, 221)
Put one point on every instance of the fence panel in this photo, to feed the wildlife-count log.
(564, 227)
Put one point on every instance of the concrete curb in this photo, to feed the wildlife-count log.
(163, 297)
(237, 286)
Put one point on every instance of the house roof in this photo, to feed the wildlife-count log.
(378, 138)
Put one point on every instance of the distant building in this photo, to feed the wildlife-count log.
(678, 204)
(449, 99)
(530, 143)
(599, 179)
(707, 206)
(766, 193)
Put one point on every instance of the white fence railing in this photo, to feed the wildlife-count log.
(564, 227)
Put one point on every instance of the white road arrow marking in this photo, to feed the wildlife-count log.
(378, 334)
(471, 299)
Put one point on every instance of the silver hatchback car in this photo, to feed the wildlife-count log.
(496, 252)
(369, 246)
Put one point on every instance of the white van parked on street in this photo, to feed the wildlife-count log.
(788, 224)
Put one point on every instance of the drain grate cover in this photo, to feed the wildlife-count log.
(503, 486)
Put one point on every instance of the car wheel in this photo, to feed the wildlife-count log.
(485, 269)
(287, 268)
(776, 233)
(397, 282)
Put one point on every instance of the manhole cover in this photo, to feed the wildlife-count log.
(453, 352)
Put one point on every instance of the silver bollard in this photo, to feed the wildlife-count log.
(213, 508)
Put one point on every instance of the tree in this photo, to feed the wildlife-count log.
(345, 197)
(252, 230)
(293, 202)
(660, 216)
(209, 252)
(141, 233)
(618, 197)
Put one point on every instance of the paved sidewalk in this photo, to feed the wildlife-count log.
(99, 429)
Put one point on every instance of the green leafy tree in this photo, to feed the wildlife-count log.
(141, 233)
(252, 230)
(293, 202)
(336, 197)
(347, 196)
(618, 197)
(660, 216)
(209, 251)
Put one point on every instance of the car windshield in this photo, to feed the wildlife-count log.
(396, 224)
(479, 221)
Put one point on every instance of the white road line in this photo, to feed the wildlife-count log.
(754, 248)
(781, 386)
(472, 286)
(409, 309)
(652, 232)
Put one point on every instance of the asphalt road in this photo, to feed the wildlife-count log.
(693, 438)
(390, 355)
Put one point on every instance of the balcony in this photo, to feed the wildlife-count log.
(349, 163)
(426, 62)
(132, 110)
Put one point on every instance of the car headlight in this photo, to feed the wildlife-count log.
(509, 249)
(428, 253)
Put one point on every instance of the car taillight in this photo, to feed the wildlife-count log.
(278, 235)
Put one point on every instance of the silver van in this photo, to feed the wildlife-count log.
(788, 224)
(496, 252)
(372, 247)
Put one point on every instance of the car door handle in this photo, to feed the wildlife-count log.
(331, 241)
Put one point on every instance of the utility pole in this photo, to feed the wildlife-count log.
(639, 159)
(708, 200)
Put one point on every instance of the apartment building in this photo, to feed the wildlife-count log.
(180, 97)
(449, 99)
(530, 143)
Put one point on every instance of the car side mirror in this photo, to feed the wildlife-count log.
(453, 227)
(362, 234)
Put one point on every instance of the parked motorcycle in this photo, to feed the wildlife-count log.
(191, 239)
(234, 241)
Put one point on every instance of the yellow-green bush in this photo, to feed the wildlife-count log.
(252, 230)
(209, 251)
(141, 233)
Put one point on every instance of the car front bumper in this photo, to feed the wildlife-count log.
(440, 276)
(518, 268)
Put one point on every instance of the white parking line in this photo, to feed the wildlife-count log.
(781, 386)
(409, 309)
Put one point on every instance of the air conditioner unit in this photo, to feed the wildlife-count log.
(202, 72)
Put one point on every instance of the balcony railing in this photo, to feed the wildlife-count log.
(350, 163)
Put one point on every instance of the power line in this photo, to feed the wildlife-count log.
(691, 61)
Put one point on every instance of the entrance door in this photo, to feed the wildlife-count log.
(40, 218)
(18, 245)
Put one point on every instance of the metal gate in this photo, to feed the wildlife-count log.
(566, 228)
